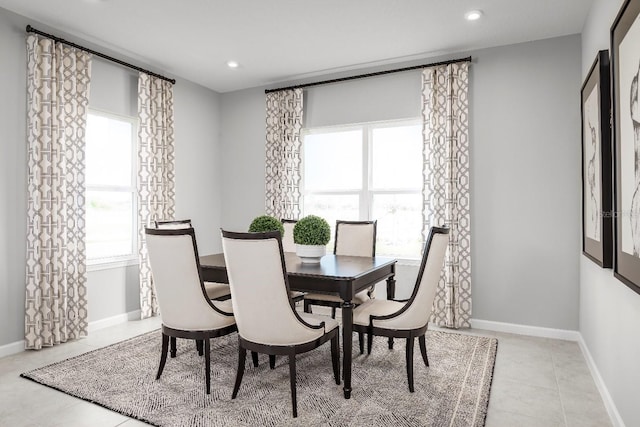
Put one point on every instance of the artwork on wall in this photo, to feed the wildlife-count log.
(625, 62)
(597, 228)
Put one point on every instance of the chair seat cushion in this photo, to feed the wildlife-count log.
(376, 307)
(360, 298)
(316, 319)
(216, 290)
(225, 305)
(296, 294)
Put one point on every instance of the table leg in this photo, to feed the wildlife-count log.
(391, 294)
(347, 345)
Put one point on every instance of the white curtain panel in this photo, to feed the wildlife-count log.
(282, 173)
(57, 97)
(445, 111)
(156, 172)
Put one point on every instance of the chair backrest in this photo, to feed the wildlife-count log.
(355, 238)
(175, 268)
(417, 311)
(173, 224)
(257, 275)
(288, 244)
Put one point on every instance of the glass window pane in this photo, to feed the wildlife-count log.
(399, 230)
(333, 161)
(332, 208)
(397, 157)
(109, 224)
(109, 144)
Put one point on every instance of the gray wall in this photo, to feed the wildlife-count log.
(113, 88)
(525, 167)
(609, 310)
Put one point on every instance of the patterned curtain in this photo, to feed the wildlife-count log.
(446, 185)
(156, 172)
(282, 174)
(57, 97)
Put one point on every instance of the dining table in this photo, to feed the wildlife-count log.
(335, 274)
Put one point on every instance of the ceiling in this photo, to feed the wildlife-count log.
(283, 40)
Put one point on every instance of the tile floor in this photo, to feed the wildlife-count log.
(537, 382)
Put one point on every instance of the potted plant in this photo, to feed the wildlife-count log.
(311, 235)
(264, 223)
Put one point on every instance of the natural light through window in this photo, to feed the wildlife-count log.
(111, 195)
(368, 172)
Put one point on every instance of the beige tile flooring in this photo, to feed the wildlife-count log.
(537, 382)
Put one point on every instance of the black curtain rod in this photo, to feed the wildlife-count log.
(377, 73)
(30, 29)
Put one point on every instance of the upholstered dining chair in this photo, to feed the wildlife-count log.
(185, 309)
(289, 246)
(352, 238)
(217, 291)
(407, 319)
(267, 320)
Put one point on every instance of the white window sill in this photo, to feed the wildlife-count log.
(110, 263)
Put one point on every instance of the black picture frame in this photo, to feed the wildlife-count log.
(625, 76)
(597, 198)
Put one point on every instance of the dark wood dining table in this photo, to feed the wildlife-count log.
(335, 274)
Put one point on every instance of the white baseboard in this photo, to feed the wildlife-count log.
(18, 346)
(534, 331)
(113, 320)
(610, 406)
(12, 348)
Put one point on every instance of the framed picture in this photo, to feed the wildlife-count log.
(625, 73)
(597, 228)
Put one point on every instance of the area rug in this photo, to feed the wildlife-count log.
(453, 391)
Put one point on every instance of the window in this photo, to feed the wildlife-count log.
(366, 172)
(111, 188)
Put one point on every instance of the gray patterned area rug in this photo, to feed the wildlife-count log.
(453, 391)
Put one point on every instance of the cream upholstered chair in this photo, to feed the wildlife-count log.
(217, 291)
(287, 240)
(407, 319)
(185, 309)
(289, 246)
(353, 238)
(264, 310)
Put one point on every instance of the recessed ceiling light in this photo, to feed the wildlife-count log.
(473, 15)
(232, 64)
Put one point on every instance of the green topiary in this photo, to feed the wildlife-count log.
(312, 230)
(266, 223)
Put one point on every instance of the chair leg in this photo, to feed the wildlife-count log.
(335, 358)
(307, 306)
(207, 363)
(410, 341)
(163, 356)
(333, 312)
(242, 357)
(272, 361)
(292, 380)
(361, 341)
(199, 347)
(390, 343)
(173, 347)
(369, 342)
(423, 350)
(254, 357)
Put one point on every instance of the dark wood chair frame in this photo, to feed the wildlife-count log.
(309, 302)
(292, 350)
(201, 337)
(409, 334)
(292, 221)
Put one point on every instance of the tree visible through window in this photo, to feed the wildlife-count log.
(111, 187)
(368, 172)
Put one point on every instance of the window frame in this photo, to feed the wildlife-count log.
(117, 261)
(366, 193)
